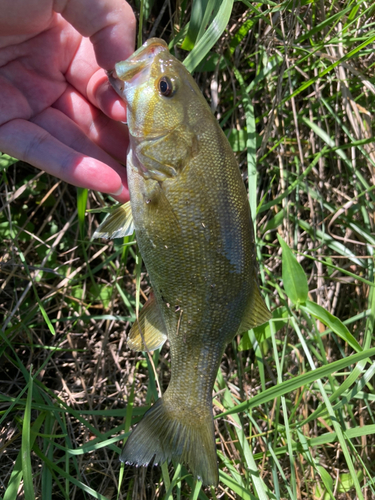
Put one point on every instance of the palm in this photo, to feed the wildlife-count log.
(55, 101)
(36, 68)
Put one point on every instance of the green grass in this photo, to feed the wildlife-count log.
(293, 87)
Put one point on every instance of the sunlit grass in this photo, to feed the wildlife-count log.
(293, 88)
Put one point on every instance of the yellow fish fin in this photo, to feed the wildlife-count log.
(166, 156)
(164, 434)
(117, 224)
(257, 312)
(148, 329)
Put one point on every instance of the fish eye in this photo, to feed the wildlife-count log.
(166, 86)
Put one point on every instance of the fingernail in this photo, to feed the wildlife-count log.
(117, 193)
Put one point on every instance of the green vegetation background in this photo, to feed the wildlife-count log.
(292, 84)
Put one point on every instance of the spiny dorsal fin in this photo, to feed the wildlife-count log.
(117, 224)
(148, 329)
(256, 313)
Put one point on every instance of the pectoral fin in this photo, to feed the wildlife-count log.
(146, 334)
(165, 157)
(117, 224)
(256, 313)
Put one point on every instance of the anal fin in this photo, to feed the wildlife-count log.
(146, 334)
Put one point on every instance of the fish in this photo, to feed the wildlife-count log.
(191, 215)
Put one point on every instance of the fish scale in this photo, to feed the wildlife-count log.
(194, 231)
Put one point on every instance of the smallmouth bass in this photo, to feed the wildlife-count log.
(193, 226)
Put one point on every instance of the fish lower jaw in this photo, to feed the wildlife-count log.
(115, 82)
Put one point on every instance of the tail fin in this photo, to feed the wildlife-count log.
(164, 434)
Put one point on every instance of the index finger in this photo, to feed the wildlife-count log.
(110, 25)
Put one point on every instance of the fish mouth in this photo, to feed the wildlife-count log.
(136, 64)
(115, 82)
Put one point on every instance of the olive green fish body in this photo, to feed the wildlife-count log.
(194, 231)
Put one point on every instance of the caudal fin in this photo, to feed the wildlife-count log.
(164, 434)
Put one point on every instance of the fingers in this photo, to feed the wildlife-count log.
(55, 139)
(110, 24)
(15, 21)
(92, 82)
(111, 136)
(99, 91)
(76, 160)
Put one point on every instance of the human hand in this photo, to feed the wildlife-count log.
(57, 109)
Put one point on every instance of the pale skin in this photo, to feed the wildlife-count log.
(57, 110)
